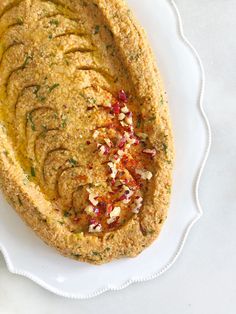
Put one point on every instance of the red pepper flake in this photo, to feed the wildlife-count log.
(117, 190)
(88, 142)
(93, 221)
(134, 137)
(122, 142)
(122, 96)
(129, 129)
(89, 108)
(113, 224)
(113, 192)
(76, 220)
(125, 160)
(121, 198)
(107, 150)
(102, 205)
(116, 108)
(109, 209)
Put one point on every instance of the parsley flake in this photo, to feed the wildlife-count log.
(73, 162)
(33, 174)
(51, 88)
(54, 22)
(30, 119)
(96, 30)
(27, 59)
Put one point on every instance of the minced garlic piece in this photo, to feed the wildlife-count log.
(95, 228)
(95, 134)
(121, 116)
(113, 215)
(145, 175)
(125, 109)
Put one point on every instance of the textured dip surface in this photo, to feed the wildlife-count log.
(85, 143)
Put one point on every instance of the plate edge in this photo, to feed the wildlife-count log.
(196, 188)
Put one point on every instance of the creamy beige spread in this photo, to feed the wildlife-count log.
(86, 152)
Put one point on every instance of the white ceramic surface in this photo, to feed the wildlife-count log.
(181, 69)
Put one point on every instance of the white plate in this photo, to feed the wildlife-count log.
(27, 255)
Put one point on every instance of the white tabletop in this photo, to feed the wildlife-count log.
(203, 279)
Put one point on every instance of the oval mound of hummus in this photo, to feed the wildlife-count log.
(85, 140)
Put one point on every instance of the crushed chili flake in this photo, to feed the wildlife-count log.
(116, 108)
(102, 205)
(122, 142)
(109, 209)
(121, 198)
(93, 221)
(76, 220)
(113, 224)
(122, 96)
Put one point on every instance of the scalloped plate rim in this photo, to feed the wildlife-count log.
(199, 210)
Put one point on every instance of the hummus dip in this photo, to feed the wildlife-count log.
(86, 147)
